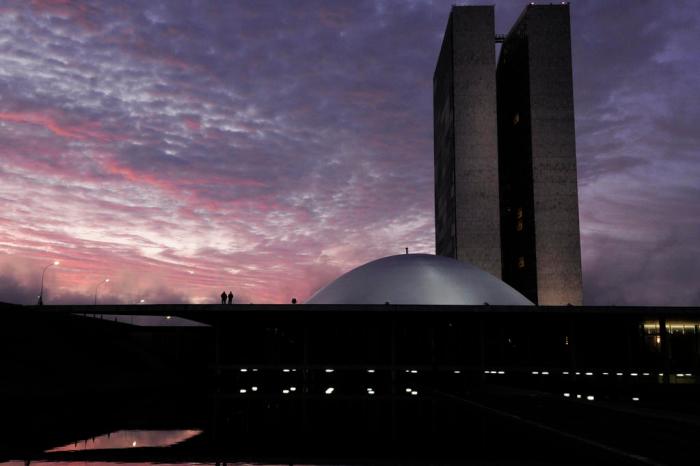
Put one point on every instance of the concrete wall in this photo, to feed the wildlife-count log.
(444, 150)
(518, 253)
(555, 191)
(475, 147)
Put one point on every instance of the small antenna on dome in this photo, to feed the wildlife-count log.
(406, 250)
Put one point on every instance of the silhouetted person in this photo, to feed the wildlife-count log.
(294, 300)
(230, 297)
(223, 297)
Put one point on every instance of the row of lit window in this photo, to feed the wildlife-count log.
(579, 396)
(326, 391)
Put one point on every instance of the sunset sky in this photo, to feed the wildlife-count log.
(183, 148)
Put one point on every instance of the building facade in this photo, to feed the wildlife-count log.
(466, 144)
(533, 168)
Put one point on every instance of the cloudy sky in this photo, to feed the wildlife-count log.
(182, 148)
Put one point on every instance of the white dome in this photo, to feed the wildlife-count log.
(418, 279)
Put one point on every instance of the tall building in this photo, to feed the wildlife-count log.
(466, 143)
(533, 168)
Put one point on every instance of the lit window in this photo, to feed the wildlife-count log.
(519, 213)
(519, 225)
(516, 119)
(521, 262)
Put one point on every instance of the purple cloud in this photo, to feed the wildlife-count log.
(267, 147)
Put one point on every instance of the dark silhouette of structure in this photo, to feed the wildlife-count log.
(345, 382)
(505, 162)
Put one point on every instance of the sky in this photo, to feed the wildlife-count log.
(266, 147)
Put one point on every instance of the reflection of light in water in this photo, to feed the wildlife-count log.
(148, 321)
(131, 438)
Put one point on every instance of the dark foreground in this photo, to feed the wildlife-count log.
(282, 386)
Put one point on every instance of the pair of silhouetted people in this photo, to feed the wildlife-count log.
(224, 296)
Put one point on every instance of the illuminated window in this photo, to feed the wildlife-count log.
(519, 213)
(521, 262)
(519, 225)
(516, 119)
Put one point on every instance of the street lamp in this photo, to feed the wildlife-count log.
(41, 293)
(106, 280)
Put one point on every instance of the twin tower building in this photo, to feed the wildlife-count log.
(505, 155)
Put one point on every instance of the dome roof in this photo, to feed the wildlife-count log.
(418, 279)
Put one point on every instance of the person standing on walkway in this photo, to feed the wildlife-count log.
(223, 297)
(230, 297)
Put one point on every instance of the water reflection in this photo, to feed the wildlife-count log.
(130, 439)
(147, 321)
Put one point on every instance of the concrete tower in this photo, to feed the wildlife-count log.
(506, 195)
(466, 144)
(537, 158)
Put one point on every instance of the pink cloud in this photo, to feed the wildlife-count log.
(193, 123)
(81, 132)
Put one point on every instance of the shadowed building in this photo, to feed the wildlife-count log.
(533, 168)
(537, 158)
(466, 144)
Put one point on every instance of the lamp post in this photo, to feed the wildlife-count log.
(41, 292)
(106, 280)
